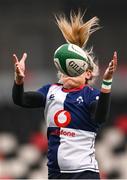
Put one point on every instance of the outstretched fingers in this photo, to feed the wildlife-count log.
(23, 59)
(115, 57)
(15, 59)
(111, 68)
(113, 63)
(115, 60)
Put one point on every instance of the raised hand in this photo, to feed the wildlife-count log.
(108, 75)
(111, 68)
(19, 68)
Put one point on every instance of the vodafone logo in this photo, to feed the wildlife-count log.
(64, 133)
(62, 118)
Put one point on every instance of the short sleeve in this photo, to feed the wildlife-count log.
(44, 90)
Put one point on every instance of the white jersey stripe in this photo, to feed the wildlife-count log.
(73, 141)
(54, 106)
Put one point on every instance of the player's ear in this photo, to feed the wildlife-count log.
(88, 74)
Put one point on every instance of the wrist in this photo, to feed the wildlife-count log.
(106, 85)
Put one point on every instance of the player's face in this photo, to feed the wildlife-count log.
(73, 82)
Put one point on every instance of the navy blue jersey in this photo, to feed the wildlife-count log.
(71, 129)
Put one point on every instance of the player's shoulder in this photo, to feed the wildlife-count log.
(46, 87)
(91, 90)
(91, 94)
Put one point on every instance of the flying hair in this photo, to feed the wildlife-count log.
(76, 30)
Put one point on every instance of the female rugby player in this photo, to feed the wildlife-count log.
(74, 111)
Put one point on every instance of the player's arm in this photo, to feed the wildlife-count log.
(100, 109)
(28, 99)
(103, 106)
(21, 98)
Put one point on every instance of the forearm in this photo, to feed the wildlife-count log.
(103, 105)
(26, 99)
(103, 108)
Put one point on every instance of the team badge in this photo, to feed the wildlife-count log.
(79, 100)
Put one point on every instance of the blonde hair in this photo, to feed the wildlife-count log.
(76, 31)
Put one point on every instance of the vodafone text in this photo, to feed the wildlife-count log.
(63, 132)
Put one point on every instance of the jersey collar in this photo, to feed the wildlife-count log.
(74, 89)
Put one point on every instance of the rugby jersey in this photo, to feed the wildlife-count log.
(70, 128)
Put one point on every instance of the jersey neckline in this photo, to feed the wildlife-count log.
(74, 89)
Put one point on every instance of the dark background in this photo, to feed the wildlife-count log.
(29, 26)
